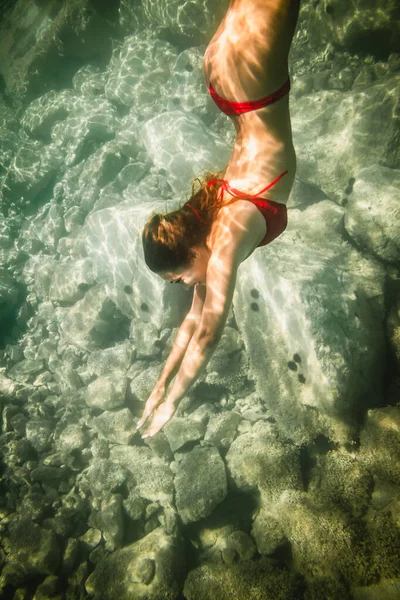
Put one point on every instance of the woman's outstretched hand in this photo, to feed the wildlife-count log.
(156, 397)
(162, 415)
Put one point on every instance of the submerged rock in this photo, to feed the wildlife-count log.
(109, 361)
(205, 469)
(331, 132)
(322, 310)
(149, 569)
(259, 461)
(36, 549)
(363, 28)
(117, 426)
(107, 392)
(39, 432)
(268, 532)
(113, 242)
(388, 589)
(320, 541)
(139, 71)
(255, 580)
(393, 330)
(171, 140)
(190, 20)
(373, 213)
(380, 443)
(92, 322)
(70, 281)
(9, 296)
(44, 43)
(221, 429)
(153, 477)
(180, 431)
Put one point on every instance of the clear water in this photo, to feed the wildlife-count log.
(278, 476)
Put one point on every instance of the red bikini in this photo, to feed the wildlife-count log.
(238, 108)
(274, 213)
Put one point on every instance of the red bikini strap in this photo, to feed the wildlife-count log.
(227, 188)
(196, 212)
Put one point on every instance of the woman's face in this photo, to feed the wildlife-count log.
(195, 273)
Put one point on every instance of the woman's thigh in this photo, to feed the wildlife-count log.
(248, 56)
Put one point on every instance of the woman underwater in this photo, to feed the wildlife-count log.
(203, 243)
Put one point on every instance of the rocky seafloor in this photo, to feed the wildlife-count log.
(279, 476)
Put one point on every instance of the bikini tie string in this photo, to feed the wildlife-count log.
(241, 195)
(225, 187)
(196, 212)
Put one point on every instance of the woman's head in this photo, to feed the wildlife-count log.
(177, 242)
(168, 240)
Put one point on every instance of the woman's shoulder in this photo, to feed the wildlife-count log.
(237, 231)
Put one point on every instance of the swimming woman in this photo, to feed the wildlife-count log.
(203, 243)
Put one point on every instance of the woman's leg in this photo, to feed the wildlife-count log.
(248, 56)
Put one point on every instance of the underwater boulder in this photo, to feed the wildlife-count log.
(42, 43)
(251, 579)
(9, 296)
(149, 569)
(388, 589)
(93, 322)
(34, 548)
(380, 443)
(153, 477)
(138, 72)
(332, 133)
(200, 483)
(186, 89)
(70, 280)
(107, 392)
(259, 462)
(189, 22)
(393, 330)
(179, 143)
(361, 27)
(372, 215)
(113, 242)
(116, 426)
(310, 309)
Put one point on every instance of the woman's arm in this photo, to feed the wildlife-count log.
(221, 279)
(178, 351)
(182, 340)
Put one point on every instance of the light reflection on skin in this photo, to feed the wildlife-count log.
(247, 59)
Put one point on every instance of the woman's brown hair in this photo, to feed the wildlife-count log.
(168, 239)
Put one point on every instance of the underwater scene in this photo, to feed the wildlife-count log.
(236, 437)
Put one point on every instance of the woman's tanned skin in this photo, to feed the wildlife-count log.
(247, 59)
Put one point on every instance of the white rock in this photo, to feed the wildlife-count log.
(152, 474)
(70, 280)
(116, 426)
(181, 144)
(107, 392)
(373, 213)
(332, 133)
(114, 244)
(259, 461)
(138, 72)
(310, 310)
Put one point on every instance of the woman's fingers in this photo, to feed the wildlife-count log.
(148, 409)
(161, 416)
(142, 420)
(151, 404)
